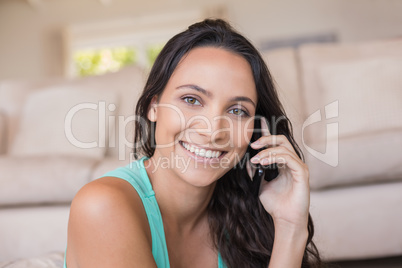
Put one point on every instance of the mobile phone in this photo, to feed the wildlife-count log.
(266, 172)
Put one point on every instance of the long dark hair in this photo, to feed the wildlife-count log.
(241, 229)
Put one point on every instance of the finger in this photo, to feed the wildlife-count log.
(286, 160)
(273, 140)
(273, 152)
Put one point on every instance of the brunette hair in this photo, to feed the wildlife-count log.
(243, 232)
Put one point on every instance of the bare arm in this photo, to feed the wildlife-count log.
(289, 246)
(108, 227)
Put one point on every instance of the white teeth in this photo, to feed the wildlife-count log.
(201, 152)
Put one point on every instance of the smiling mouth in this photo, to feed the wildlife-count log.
(201, 152)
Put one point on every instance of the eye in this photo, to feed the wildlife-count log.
(239, 112)
(191, 100)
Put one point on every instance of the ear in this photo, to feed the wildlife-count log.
(152, 111)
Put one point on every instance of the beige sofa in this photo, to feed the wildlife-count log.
(345, 102)
(42, 165)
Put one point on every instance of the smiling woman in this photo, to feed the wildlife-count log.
(214, 90)
(205, 106)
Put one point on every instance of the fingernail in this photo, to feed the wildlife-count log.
(255, 159)
(257, 142)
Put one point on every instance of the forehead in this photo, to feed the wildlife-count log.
(215, 69)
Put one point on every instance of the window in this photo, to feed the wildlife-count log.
(99, 61)
(96, 48)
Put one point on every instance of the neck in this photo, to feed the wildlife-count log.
(183, 206)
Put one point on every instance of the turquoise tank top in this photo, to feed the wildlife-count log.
(136, 174)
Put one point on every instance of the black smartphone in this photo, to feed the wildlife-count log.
(266, 172)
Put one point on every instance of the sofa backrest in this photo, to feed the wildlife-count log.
(12, 98)
(319, 61)
(283, 66)
(353, 101)
(39, 109)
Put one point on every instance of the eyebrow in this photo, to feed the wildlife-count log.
(209, 94)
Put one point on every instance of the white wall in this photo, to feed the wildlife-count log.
(353, 20)
(31, 40)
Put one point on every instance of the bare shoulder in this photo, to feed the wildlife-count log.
(108, 227)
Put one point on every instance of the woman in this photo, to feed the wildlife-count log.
(195, 198)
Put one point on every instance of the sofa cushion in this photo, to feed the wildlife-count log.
(313, 56)
(367, 158)
(128, 83)
(12, 98)
(65, 120)
(3, 132)
(358, 222)
(29, 232)
(352, 96)
(50, 260)
(369, 99)
(42, 179)
(369, 93)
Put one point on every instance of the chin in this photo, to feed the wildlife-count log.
(201, 177)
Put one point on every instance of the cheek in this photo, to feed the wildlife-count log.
(242, 136)
(170, 122)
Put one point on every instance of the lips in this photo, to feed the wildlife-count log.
(202, 152)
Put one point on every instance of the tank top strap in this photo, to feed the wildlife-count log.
(221, 264)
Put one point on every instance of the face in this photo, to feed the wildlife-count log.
(204, 117)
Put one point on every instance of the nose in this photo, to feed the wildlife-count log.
(212, 128)
(220, 128)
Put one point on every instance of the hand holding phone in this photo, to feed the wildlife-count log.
(287, 174)
(261, 169)
(257, 171)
